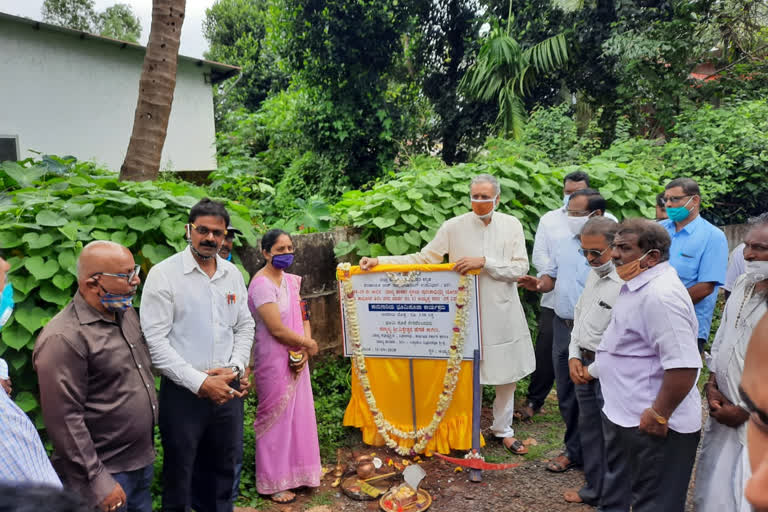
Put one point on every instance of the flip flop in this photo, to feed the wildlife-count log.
(526, 413)
(572, 496)
(559, 464)
(276, 497)
(516, 448)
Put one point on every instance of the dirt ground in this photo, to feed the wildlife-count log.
(526, 488)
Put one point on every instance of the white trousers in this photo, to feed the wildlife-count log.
(504, 410)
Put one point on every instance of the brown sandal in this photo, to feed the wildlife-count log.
(560, 464)
(516, 448)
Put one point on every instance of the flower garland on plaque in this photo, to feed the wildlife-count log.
(422, 436)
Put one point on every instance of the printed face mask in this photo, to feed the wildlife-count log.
(629, 271)
(679, 213)
(6, 304)
(281, 261)
(755, 271)
(116, 301)
(481, 201)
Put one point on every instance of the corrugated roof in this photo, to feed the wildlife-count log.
(219, 71)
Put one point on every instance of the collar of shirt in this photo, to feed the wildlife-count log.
(190, 264)
(87, 314)
(645, 277)
(613, 276)
(689, 228)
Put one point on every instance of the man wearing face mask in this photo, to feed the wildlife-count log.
(97, 390)
(722, 470)
(566, 274)
(493, 242)
(649, 362)
(591, 316)
(195, 317)
(699, 250)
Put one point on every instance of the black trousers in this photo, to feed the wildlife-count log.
(199, 450)
(566, 390)
(544, 376)
(648, 473)
(590, 400)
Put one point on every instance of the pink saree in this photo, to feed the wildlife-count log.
(287, 449)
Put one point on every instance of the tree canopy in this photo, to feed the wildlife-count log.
(117, 21)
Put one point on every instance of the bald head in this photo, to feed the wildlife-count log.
(102, 256)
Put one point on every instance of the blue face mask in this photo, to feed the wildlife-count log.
(679, 213)
(229, 257)
(6, 304)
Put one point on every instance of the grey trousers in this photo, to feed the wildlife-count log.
(650, 474)
(590, 400)
(566, 392)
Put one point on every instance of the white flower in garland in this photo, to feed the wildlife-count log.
(422, 436)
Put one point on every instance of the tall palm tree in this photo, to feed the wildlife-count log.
(156, 86)
(504, 72)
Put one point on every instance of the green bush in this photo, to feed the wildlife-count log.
(51, 209)
(400, 215)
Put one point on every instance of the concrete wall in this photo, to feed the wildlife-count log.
(735, 234)
(316, 264)
(69, 96)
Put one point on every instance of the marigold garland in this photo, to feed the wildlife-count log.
(453, 367)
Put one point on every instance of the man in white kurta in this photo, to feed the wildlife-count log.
(723, 468)
(493, 242)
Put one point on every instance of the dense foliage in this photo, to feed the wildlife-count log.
(117, 21)
(50, 210)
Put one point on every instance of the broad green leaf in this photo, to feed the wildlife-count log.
(22, 283)
(70, 230)
(19, 359)
(68, 261)
(378, 250)
(152, 204)
(15, 336)
(9, 239)
(32, 318)
(37, 241)
(342, 249)
(76, 211)
(384, 222)
(362, 246)
(396, 245)
(26, 401)
(40, 268)
(126, 239)
(54, 295)
(414, 194)
(411, 219)
(98, 234)
(50, 218)
(401, 205)
(413, 238)
(156, 253)
(63, 281)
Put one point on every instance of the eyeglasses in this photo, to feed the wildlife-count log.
(579, 213)
(758, 416)
(128, 277)
(592, 252)
(674, 199)
(204, 231)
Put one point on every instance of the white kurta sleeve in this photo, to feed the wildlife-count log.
(517, 263)
(540, 255)
(433, 252)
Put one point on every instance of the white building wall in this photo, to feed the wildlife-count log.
(64, 95)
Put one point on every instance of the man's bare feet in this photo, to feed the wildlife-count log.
(572, 496)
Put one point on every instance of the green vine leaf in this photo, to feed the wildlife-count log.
(40, 268)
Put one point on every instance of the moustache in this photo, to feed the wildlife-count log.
(208, 244)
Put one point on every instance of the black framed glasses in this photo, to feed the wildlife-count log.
(758, 416)
(675, 199)
(204, 231)
(128, 277)
(592, 252)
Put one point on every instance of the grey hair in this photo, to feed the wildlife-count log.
(758, 220)
(92, 245)
(486, 178)
(601, 226)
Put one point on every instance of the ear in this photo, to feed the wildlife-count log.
(653, 258)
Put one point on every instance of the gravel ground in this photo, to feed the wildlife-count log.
(526, 488)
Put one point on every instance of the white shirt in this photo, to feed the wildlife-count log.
(735, 267)
(507, 347)
(553, 227)
(193, 322)
(593, 314)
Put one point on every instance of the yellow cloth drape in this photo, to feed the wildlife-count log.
(390, 384)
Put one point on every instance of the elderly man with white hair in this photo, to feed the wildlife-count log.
(97, 390)
(494, 243)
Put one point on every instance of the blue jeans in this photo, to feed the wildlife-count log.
(136, 485)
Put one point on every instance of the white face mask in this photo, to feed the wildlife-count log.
(756, 271)
(604, 269)
(493, 206)
(566, 198)
(575, 224)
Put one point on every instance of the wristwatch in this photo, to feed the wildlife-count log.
(236, 370)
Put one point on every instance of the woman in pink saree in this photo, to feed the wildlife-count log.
(287, 449)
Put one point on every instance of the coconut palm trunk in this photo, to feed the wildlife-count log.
(156, 86)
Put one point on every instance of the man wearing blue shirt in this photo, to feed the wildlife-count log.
(699, 251)
(566, 274)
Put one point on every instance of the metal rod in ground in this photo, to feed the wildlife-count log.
(413, 396)
(476, 475)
